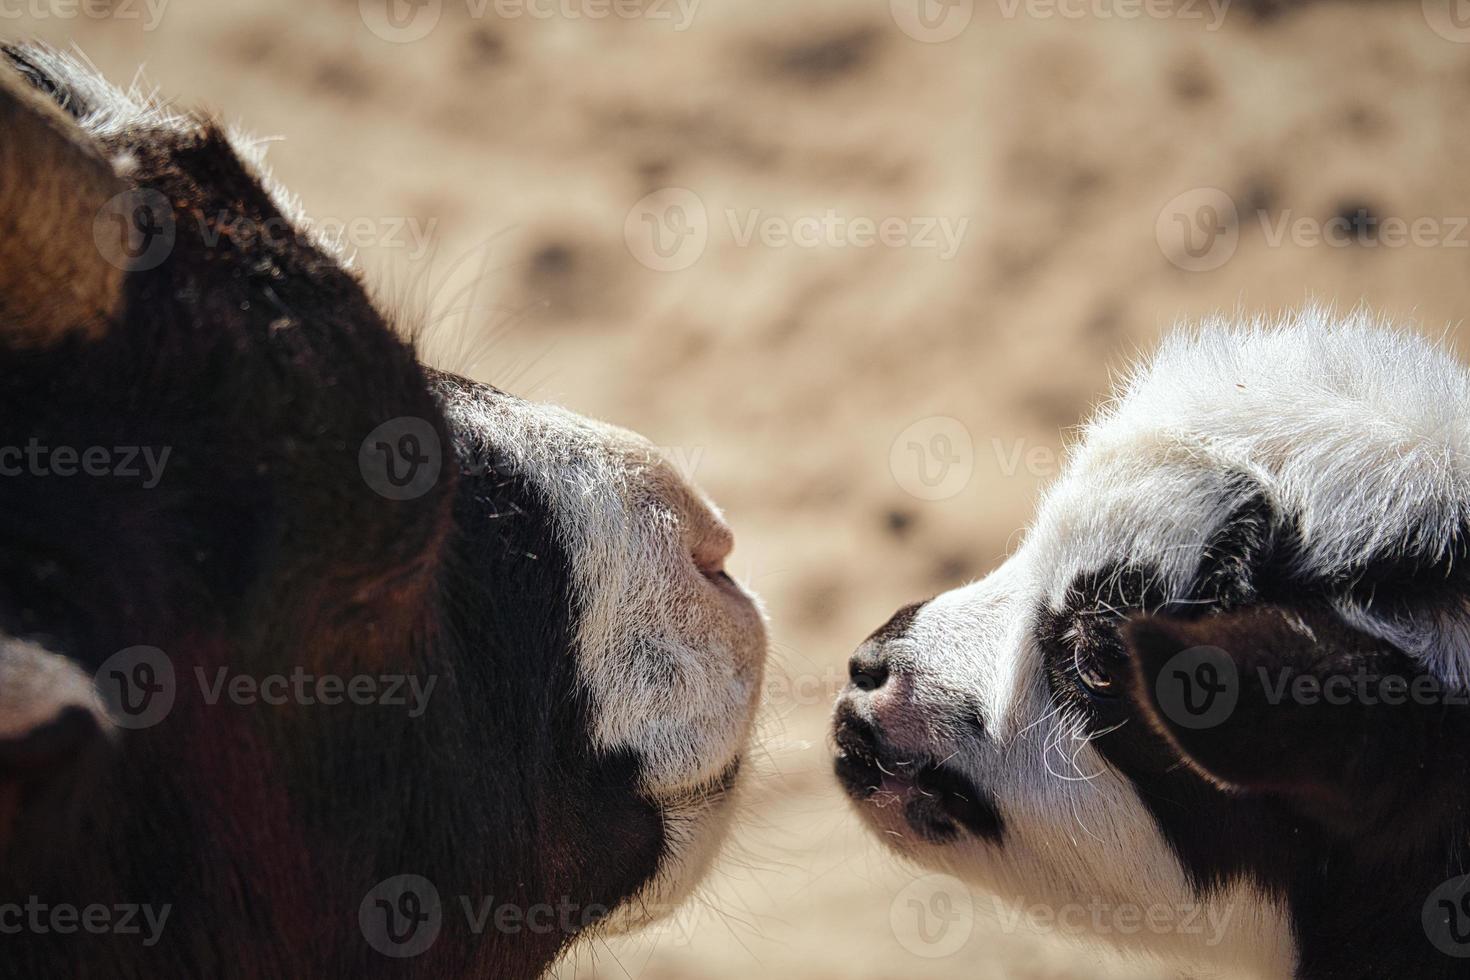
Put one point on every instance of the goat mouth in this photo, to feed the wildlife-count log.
(939, 803)
(725, 782)
(712, 792)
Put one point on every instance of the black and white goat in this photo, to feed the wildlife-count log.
(1219, 691)
(204, 662)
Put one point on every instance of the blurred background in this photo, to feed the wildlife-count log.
(860, 266)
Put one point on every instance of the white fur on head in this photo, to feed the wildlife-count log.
(1356, 429)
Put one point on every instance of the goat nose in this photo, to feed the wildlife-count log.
(868, 668)
(712, 541)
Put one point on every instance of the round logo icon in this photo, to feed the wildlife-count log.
(933, 916)
(134, 231)
(932, 21)
(401, 458)
(1447, 917)
(400, 21)
(667, 230)
(1450, 19)
(934, 458)
(1198, 230)
(136, 686)
(401, 916)
(1198, 688)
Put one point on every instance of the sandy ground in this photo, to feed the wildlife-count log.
(861, 221)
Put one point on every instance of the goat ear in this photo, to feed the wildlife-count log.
(55, 275)
(1296, 705)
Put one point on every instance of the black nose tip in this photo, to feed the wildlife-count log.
(868, 669)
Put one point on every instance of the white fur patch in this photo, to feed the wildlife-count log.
(36, 686)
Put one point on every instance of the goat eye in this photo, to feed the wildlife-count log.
(1094, 680)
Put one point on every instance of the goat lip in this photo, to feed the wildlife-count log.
(725, 783)
(859, 760)
(859, 775)
(855, 764)
(938, 801)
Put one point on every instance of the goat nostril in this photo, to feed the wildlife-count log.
(712, 548)
(868, 673)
